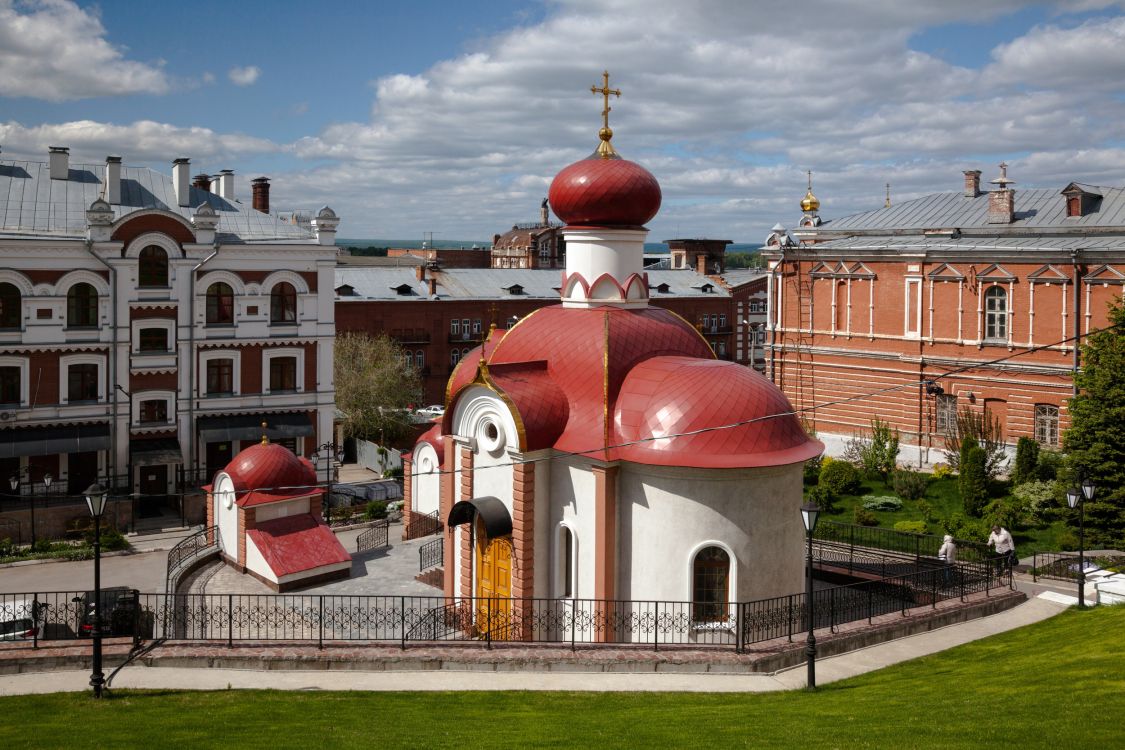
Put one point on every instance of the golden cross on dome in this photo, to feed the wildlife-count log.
(605, 148)
(887, 203)
(810, 179)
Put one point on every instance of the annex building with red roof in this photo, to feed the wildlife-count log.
(267, 507)
(598, 449)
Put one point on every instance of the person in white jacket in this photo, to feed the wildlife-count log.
(1005, 547)
(948, 554)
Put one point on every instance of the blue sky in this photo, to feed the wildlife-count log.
(452, 117)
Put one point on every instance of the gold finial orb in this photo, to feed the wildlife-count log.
(265, 438)
(605, 134)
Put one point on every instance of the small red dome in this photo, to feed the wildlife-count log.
(605, 192)
(269, 467)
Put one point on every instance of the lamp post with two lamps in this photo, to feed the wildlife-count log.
(95, 501)
(810, 513)
(331, 453)
(1078, 497)
(14, 483)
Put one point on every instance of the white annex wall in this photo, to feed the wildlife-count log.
(666, 514)
(572, 502)
(256, 563)
(227, 516)
(425, 485)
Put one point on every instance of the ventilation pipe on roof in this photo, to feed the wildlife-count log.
(59, 157)
(113, 180)
(1002, 201)
(181, 182)
(202, 181)
(226, 184)
(260, 189)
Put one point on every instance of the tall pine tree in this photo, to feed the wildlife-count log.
(1095, 440)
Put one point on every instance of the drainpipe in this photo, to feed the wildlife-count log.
(191, 361)
(88, 244)
(775, 314)
(1077, 316)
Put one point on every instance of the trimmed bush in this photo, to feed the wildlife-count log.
(911, 527)
(375, 510)
(865, 517)
(1027, 458)
(823, 498)
(974, 481)
(879, 455)
(884, 503)
(941, 471)
(909, 485)
(840, 478)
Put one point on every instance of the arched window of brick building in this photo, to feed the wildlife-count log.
(1047, 424)
(841, 306)
(82, 306)
(10, 306)
(283, 303)
(996, 314)
(220, 304)
(153, 267)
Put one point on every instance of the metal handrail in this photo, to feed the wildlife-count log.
(431, 555)
(187, 550)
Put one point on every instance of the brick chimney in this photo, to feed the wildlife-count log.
(701, 264)
(433, 286)
(181, 168)
(420, 272)
(1002, 201)
(59, 158)
(202, 181)
(113, 180)
(260, 190)
(972, 183)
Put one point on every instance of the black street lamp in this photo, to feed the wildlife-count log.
(810, 513)
(1079, 496)
(95, 501)
(331, 452)
(14, 483)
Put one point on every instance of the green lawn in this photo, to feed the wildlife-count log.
(1056, 684)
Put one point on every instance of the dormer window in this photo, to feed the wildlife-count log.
(1079, 200)
(403, 290)
(513, 289)
(663, 288)
(345, 290)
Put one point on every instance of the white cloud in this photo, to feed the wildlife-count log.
(244, 76)
(54, 50)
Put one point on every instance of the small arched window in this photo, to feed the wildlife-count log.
(283, 303)
(996, 314)
(153, 267)
(710, 585)
(11, 304)
(220, 304)
(82, 306)
(566, 562)
(454, 357)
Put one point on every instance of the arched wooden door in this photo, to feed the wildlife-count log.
(494, 587)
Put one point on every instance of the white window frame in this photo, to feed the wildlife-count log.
(169, 397)
(286, 351)
(916, 282)
(236, 374)
(1001, 316)
(732, 585)
(455, 327)
(22, 363)
(167, 324)
(65, 363)
(1053, 440)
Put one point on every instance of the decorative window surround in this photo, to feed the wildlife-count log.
(236, 375)
(65, 363)
(269, 354)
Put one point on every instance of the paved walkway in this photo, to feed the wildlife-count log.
(829, 669)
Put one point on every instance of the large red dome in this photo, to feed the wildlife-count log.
(270, 467)
(605, 192)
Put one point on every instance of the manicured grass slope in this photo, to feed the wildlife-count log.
(1058, 684)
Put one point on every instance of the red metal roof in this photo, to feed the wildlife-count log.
(269, 472)
(433, 437)
(605, 192)
(296, 544)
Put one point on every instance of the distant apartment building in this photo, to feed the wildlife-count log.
(983, 292)
(151, 324)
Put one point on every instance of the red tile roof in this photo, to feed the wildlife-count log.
(295, 544)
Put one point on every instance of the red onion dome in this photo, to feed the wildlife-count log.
(605, 192)
(270, 466)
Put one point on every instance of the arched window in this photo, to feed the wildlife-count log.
(11, 305)
(283, 303)
(419, 359)
(220, 304)
(153, 267)
(454, 357)
(996, 314)
(566, 562)
(710, 585)
(841, 322)
(82, 306)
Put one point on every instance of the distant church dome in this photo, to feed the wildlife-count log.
(810, 202)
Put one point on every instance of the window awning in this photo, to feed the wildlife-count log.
(249, 427)
(158, 452)
(493, 513)
(48, 441)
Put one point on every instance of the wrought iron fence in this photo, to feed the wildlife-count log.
(375, 537)
(187, 551)
(431, 555)
(1063, 566)
(917, 545)
(404, 619)
(424, 524)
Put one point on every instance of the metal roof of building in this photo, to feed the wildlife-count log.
(1035, 208)
(32, 204)
(374, 283)
(921, 243)
(741, 276)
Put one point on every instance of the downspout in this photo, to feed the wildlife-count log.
(89, 246)
(191, 359)
(778, 273)
(1077, 318)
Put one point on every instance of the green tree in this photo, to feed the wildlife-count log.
(375, 387)
(1027, 458)
(879, 455)
(1095, 440)
(985, 429)
(974, 481)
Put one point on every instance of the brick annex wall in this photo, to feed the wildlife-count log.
(466, 537)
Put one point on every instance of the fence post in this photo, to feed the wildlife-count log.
(933, 596)
(320, 638)
(402, 621)
(868, 605)
(573, 610)
(904, 592)
(488, 621)
(738, 619)
(961, 582)
(789, 619)
(35, 621)
(230, 620)
(656, 628)
(832, 610)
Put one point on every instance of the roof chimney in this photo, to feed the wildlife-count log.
(420, 272)
(113, 180)
(260, 189)
(60, 162)
(1001, 202)
(226, 184)
(181, 182)
(972, 183)
(202, 181)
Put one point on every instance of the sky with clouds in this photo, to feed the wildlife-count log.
(452, 118)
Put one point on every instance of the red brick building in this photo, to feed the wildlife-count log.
(980, 291)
